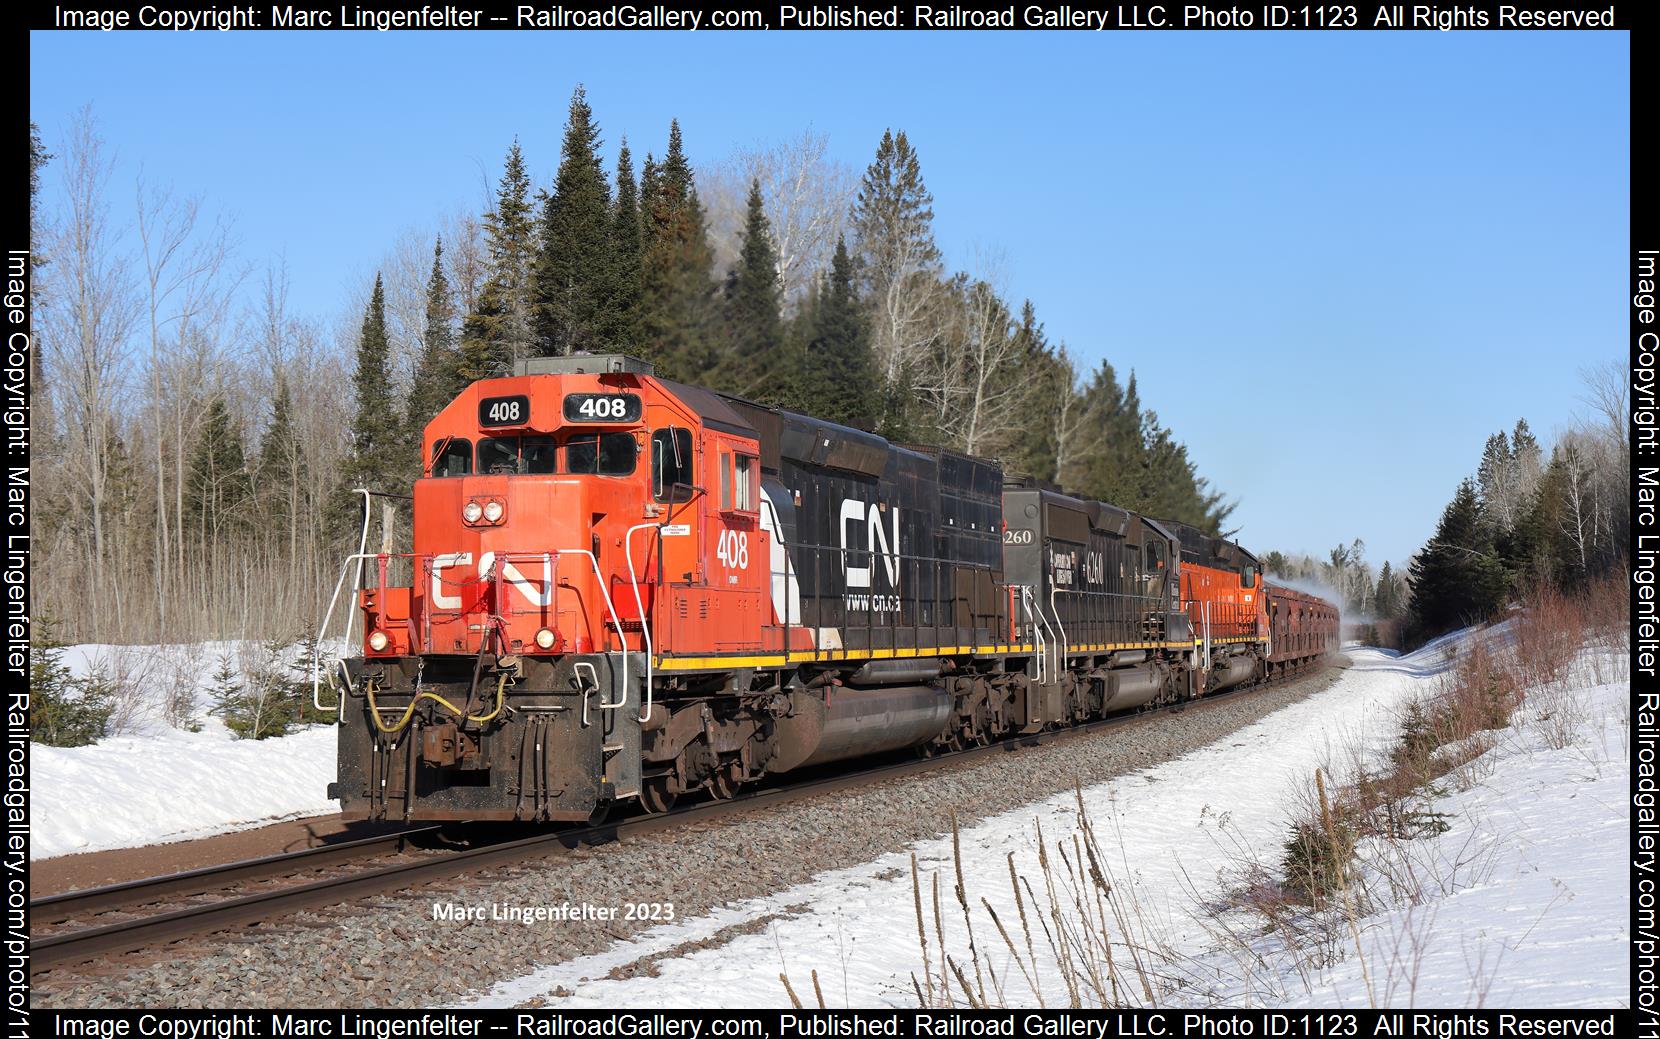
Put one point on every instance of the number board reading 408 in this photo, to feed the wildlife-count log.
(602, 407)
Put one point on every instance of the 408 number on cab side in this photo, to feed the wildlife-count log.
(732, 549)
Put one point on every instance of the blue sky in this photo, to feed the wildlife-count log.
(1336, 262)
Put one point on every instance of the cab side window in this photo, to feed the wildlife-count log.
(671, 461)
(743, 479)
(737, 482)
(1155, 566)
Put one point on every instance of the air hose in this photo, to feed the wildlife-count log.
(409, 712)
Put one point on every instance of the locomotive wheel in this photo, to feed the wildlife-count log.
(724, 784)
(656, 797)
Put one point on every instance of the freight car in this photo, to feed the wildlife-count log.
(625, 588)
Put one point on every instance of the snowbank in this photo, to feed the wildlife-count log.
(1527, 902)
(128, 791)
(152, 783)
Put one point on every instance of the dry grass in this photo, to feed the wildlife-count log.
(1359, 845)
(1072, 936)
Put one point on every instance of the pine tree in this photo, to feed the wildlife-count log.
(38, 157)
(482, 348)
(439, 376)
(1490, 473)
(574, 272)
(277, 469)
(1507, 477)
(63, 711)
(898, 260)
(499, 329)
(1543, 532)
(1456, 579)
(1383, 599)
(626, 246)
(1109, 465)
(218, 488)
(677, 308)
(1041, 384)
(376, 422)
(838, 373)
(261, 698)
(752, 362)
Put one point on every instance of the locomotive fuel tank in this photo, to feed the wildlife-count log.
(837, 723)
(1229, 672)
(1128, 687)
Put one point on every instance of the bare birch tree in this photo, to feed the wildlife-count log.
(808, 195)
(94, 310)
(1068, 413)
(187, 284)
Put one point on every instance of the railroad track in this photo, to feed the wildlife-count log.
(81, 945)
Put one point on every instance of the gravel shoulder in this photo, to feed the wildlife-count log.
(394, 952)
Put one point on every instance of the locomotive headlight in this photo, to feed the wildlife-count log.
(493, 511)
(544, 638)
(472, 511)
(378, 641)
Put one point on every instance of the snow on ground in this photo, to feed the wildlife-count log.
(1178, 833)
(151, 782)
(128, 791)
(1537, 914)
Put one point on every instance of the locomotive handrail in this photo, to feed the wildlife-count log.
(362, 547)
(1207, 636)
(317, 670)
(316, 654)
(639, 605)
(1039, 626)
(1053, 641)
(1063, 648)
(1037, 636)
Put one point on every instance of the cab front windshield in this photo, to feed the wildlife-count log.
(585, 454)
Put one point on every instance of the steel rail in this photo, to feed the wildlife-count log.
(70, 905)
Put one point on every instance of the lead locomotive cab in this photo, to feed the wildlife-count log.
(507, 677)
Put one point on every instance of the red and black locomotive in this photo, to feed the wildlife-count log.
(627, 588)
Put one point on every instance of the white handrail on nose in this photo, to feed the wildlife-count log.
(322, 633)
(616, 622)
(317, 671)
(639, 605)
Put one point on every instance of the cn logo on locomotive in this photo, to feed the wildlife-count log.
(876, 541)
(539, 595)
